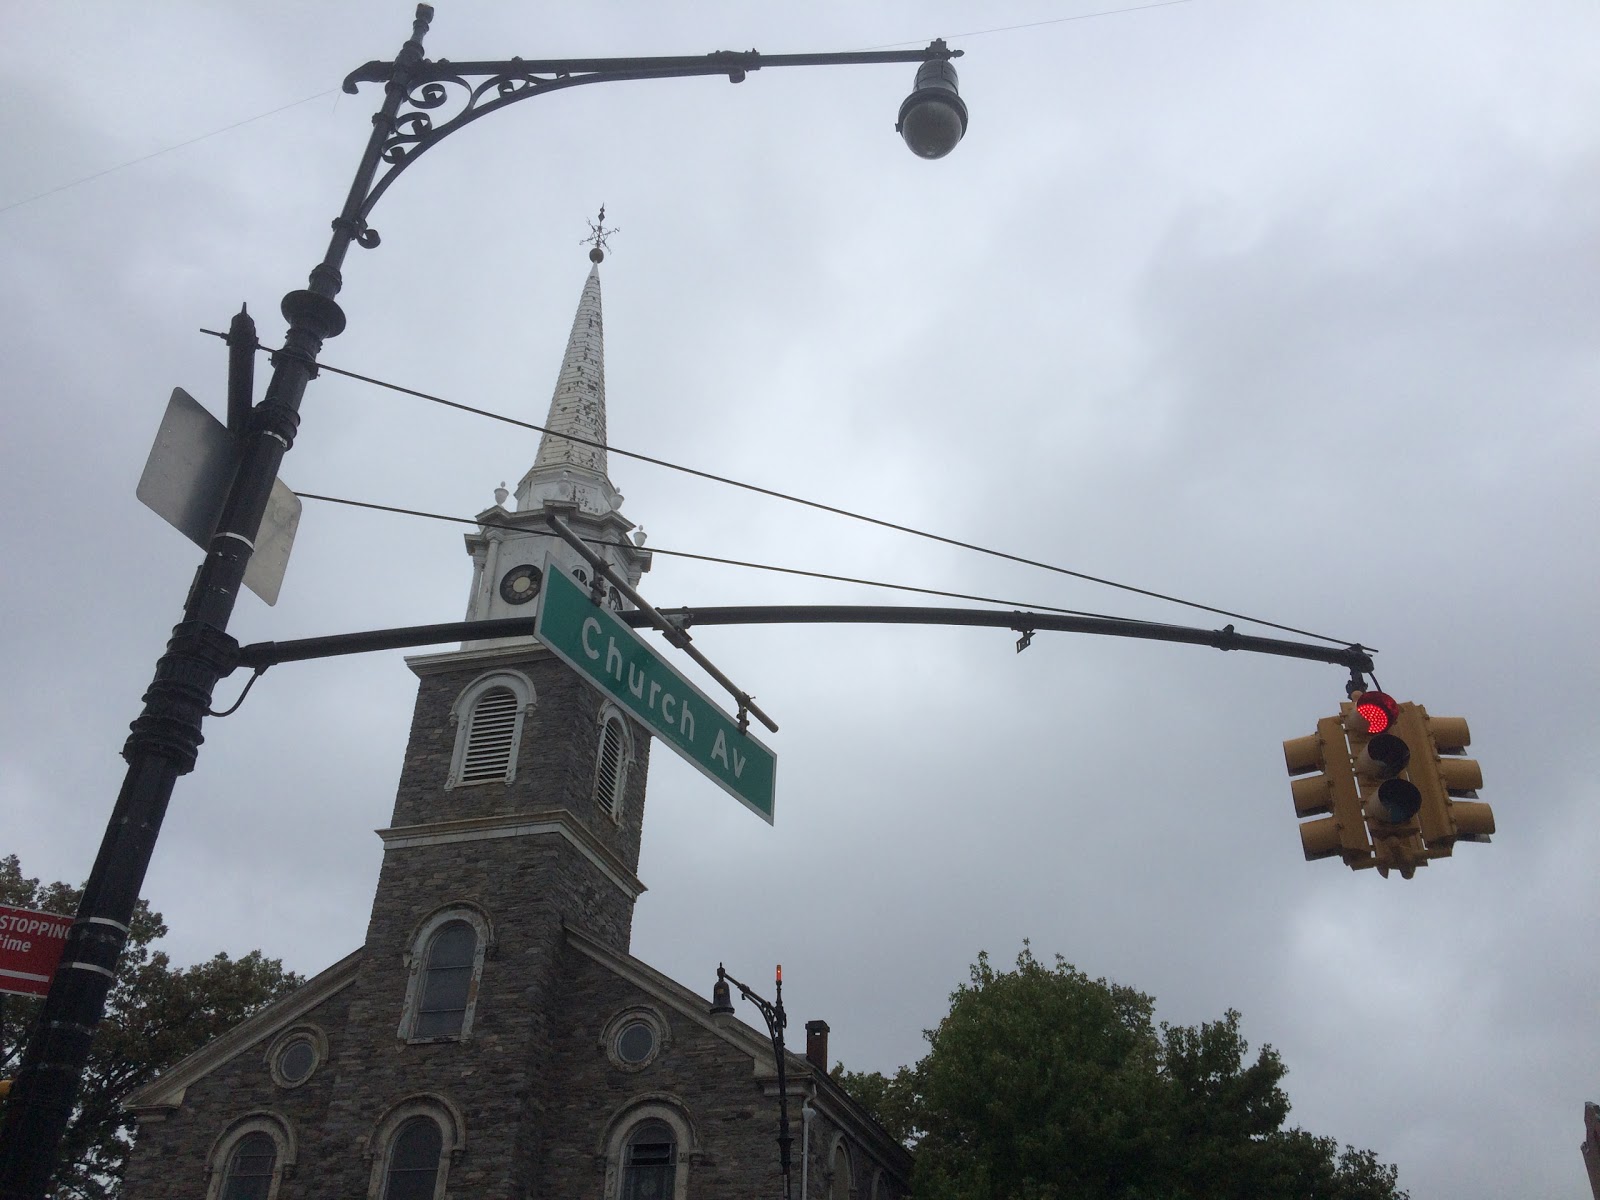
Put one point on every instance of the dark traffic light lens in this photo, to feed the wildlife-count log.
(1378, 710)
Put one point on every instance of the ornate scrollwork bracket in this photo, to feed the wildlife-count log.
(438, 97)
(441, 97)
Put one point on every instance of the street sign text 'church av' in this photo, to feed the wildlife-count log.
(609, 654)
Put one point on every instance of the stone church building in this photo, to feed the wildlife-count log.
(494, 1037)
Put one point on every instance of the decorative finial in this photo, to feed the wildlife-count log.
(500, 494)
(598, 233)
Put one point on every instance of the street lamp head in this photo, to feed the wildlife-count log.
(721, 996)
(933, 118)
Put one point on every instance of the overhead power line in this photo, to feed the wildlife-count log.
(166, 150)
(728, 562)
(971, 33)
(818, 505)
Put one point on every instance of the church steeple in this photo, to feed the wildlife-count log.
(578, 405)
(575, 429)
(568, 478)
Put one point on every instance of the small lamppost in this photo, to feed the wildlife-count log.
(722, 1004)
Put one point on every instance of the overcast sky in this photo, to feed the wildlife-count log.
(1284, 306)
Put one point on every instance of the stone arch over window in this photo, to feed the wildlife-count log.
(251, 1157)
(489, 716)
(841, 1173)
(882, 1189)
(613, 761)
(413, 1147)
(444, 967)
(647, 1146)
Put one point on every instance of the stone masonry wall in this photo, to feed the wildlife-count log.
(737, 1157)
(527, 885)
(170, 1158)
(555, 761)
(733, 1115)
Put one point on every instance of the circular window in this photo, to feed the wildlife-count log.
(636, 1044)
(296, 1054)
(297, 1060)
(634, 1038)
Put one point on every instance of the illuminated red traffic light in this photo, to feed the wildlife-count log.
(1378, 709)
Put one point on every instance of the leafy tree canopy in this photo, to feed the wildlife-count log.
(155, 1015)
(1042, 1083)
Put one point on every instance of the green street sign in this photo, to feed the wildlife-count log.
(590, 639)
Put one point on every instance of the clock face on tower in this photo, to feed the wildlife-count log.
(521, 584)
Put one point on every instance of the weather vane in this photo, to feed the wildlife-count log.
(598, 233)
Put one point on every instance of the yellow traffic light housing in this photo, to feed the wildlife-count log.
(1332, 791)
(1389, 801)
(1393, 790)
(1447, 781)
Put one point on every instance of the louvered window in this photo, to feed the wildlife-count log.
(609, 770)
(491, 737)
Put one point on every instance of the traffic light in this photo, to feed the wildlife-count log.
(1389, 801)
(1392, 790)
(1447, 783)
(1332, 791)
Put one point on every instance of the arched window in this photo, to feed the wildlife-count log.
(251, 1168)
(412, 1169)
(412, 1148)
(649, 1164)
(489, 717)
(250, 1158)
(839, 1175)
(446, 964)
(491, 737)
(611, 765)
(446, 980)
(648, 1145)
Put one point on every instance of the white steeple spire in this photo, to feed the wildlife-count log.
(570, 467)
(578, 405)
(568, 478)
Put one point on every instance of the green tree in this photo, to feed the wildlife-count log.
(155, 1015)
(1042, 1083)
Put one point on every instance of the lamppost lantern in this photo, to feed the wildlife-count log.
(933, 119)
(721, 995)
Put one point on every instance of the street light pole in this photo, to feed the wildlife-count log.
(166, 737)
(777, 1020)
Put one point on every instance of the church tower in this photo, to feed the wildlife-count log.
(518, 812)
(493, 1036)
